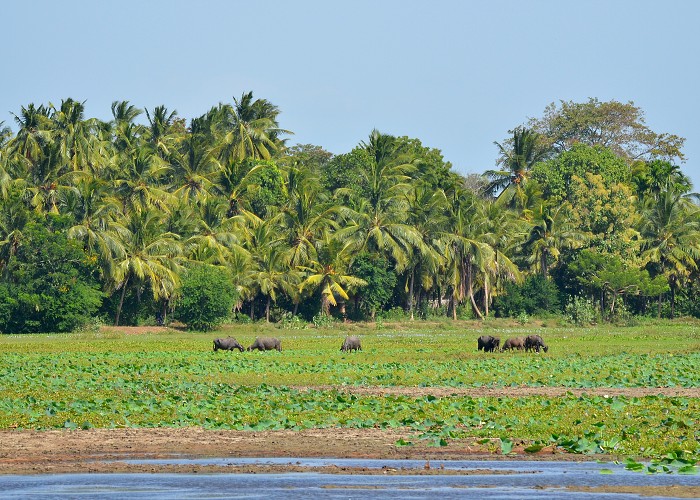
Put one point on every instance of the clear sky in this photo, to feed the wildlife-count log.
(455, 74)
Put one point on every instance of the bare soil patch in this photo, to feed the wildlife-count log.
(510, 392)
(103, 450)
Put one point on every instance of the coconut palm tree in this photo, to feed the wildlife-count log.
(670, 232)
(516, 159)
(147, 257)
(378, 220)
(94, 208)
(34, 132)
(467, 251)
(306, 216)
(330, 273)
(426, 214)
(214, 234)
(247, 129)
(551, 232)
(162, 135)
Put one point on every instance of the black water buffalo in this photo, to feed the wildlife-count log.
(535, 343)
(266, 344)
(227, 344)
(514, 343)
(488, 343)
(351, 343)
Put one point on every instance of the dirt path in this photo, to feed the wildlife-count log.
(511, 392)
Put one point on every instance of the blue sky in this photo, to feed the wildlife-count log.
(455, 74)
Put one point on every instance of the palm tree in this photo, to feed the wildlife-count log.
(466, 252)
(671, 236)
(214, 234)
(272, 272)
(248, 129)
(307, 215)
(330, 273)
(161, 134)
(426, 213)
(377, 222)
(77, 136)
(34, 132)
(517, 159)
(551, 233)
(94, 209)
(502, 230)
(147, 257)
(138, 184)
(194, 166)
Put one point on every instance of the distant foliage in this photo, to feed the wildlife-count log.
(207, 298)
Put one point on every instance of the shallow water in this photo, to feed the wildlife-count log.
(524, 480)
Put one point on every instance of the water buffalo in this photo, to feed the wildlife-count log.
(514, 343)
(227, 344)
(488, 343)
(351, 343)
(535, 342)
(266, 344)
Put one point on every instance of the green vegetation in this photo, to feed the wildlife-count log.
(207, 298)
(586, 205)
(174, 379)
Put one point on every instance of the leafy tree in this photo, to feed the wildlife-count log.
(49, 284)
(617, 126)
(555, 176)
(206, 298)
(380, 282)
(536, 295)
(606, 214)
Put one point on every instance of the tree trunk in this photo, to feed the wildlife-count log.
(543, 264)
(486, 296)
(470, 289)
(410, 292)
(121, 302)
(267, 310)
(252, 310)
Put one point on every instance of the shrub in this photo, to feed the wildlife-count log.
(580, 311)
(206, 299)
(323, 321)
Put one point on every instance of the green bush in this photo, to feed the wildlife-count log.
(580, 311)
(206, 299)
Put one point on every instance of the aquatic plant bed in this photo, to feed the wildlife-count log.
(416, 389)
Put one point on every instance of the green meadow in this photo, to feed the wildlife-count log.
(112, 378)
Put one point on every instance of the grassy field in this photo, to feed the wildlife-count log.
(172, 378)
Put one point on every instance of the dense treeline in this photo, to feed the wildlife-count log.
(587, 213)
